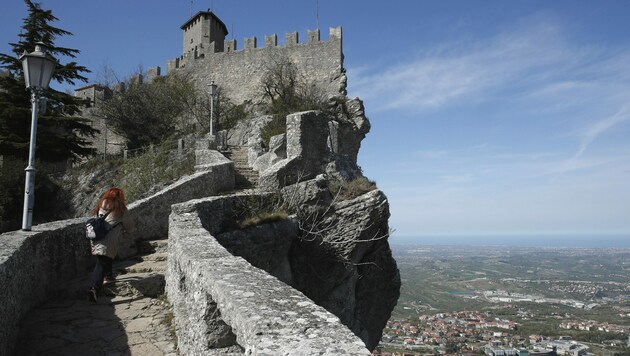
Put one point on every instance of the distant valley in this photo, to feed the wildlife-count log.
(516, 295)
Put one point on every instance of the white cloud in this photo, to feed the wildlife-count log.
(553, 159)
(601, 126)
(533, 60)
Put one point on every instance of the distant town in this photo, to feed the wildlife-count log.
(471, 332)
(463, 300)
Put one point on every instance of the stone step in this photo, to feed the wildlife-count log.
(158, 257)
(145, 267)
(151, 246)
(148, 284)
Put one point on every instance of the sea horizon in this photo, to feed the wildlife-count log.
(568, 240)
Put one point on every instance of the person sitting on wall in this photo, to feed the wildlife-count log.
(111, 205)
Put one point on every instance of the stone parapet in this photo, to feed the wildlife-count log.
(222, 302)
(151, 214)
(32, 263)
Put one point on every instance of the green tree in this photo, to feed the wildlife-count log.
(62, 134)
(150, 113)
(287, 91)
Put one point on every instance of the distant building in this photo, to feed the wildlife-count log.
(106, 141)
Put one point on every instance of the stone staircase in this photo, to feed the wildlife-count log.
(131, 316)
(245, 177)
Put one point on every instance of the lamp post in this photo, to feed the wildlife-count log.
(38, 69)
(105, 122)
(212, 88)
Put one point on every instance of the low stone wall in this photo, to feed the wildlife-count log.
(32, 263)
(150, 215)
(221, 303)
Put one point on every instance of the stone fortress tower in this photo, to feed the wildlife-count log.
(208, 56)
(202, 30)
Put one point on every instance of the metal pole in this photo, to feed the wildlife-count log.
(105, 147)
(317, 14)
(29, 186)
(211, 113)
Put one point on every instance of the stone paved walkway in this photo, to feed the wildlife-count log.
(131, 316)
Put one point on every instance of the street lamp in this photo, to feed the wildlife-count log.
(38, 69)
(212, 88)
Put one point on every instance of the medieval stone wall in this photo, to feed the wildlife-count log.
(32, 263)
(221, 303)
(239, 72)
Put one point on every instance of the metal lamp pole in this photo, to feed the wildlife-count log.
(38, 69)
(213, 90)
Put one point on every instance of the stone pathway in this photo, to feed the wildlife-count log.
(245, 177)
(131, 316)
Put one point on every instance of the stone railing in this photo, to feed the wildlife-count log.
(33, 263)
(30, 265)
(221, 303)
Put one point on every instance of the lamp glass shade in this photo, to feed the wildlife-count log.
(38, 70)
(213, 88)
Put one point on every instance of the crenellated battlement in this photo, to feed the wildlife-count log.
(209, 57)
(238, 71)
(251, 43)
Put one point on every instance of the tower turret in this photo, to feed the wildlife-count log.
(201, 30)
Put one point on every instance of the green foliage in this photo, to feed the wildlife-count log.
(51, 201)
(154, 168)
(351, 189)
(229, 114)
(147, 114)
(287, 91)
(61, 132)
(263, 217)
(277, 126)
(252, 210)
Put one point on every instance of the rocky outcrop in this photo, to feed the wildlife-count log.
(314, 143)
(246, 129)
(341, 258)
(346, 251)
(306, 151)
(223, 304)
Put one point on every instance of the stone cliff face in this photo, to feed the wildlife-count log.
(343, 262)
(336, 252)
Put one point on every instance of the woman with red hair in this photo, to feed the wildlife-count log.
(112, 206)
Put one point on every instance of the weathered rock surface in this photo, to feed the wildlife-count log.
(245, 129)
(347, 252)
(210, 288)
(277, 152)
(306, 151)
(265, 246)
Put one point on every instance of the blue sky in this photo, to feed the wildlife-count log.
(488, 117)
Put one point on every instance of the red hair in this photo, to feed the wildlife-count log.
(113, 200)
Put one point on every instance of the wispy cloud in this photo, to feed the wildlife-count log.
(588, 136)
(531, 60)
(601, 126)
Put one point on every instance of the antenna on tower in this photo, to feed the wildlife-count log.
(317, 14)
(191, 6)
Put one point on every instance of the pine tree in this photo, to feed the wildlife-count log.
(61, 132)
